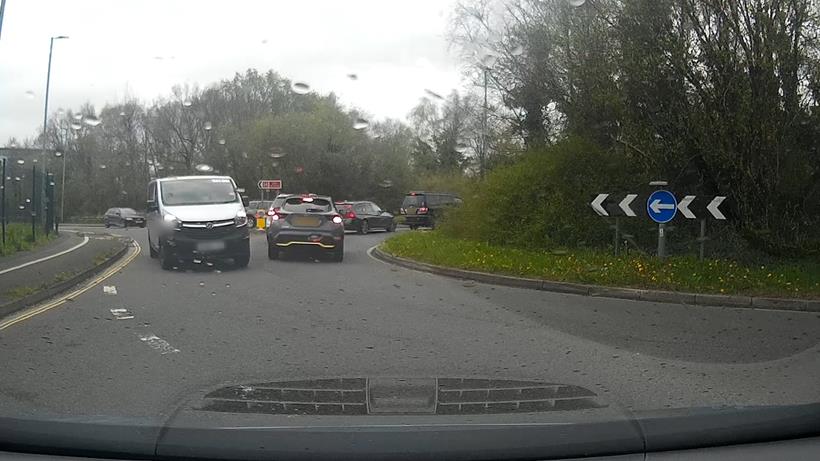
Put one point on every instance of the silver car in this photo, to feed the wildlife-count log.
(196, 217)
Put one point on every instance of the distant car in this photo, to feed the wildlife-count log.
(306, 221)
(123, 217)
(423, 209)
(365, 216)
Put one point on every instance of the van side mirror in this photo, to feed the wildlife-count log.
(245, 200)
(151, 205)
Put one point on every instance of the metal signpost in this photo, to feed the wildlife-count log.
(661, 207)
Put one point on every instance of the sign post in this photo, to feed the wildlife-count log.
(269, 184)
(661, 207)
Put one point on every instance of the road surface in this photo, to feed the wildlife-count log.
(182, 332)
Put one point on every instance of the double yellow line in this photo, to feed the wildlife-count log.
(63, 298)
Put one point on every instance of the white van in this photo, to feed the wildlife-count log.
(196, 217)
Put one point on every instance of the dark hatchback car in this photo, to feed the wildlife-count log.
(363, 216)
(306, 222)
(123, 217)
(423, 209)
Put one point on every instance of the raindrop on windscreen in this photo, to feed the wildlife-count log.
(204, 168)
(207, 126)
(198, 261)
(16, 178)
(277, 155)
(60, 113)
(360, 124)
(122, 113)
(76, 126)
(102, 167)
(221, 142)
(202, 284)
(58, 154)
(300, 88)
(187, 103)
(52, 183)
(227, 285)
(386, 184)
(352, 76)
(209, 264)
(576, 2)
(28, 200)
(213, 293)
(21, 162)
(517, 50)
(274, 164)
(244, 155)
(30, 94)
(78, 117)
(265, 41)
(22, 207)
(433, 94)
(462, 147)
(92, 120)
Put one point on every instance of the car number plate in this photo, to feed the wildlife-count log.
(411, 210)
(305, 221)
(216, 245)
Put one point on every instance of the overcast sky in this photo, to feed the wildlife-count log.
(141, 48)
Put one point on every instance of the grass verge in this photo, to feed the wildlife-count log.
(787, 279)
(18, 238)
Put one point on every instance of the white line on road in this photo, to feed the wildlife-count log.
(85, 240)
(158, 344)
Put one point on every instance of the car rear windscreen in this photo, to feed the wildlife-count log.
(307, 205)
(412, 201)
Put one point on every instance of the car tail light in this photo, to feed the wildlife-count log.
(422, 210)
(275, 216)
(351, 215)
(337, 219)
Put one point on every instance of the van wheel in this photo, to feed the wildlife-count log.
(107, 224)
(166, 259)
(242, 260)
(151, 251)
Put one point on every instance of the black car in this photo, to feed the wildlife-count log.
(307, 221)
(425, 208)
(364, 216)
(123, 217)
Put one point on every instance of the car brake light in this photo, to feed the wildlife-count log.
(351, 215)
(275, 217)
(337, 219)
(422, 210)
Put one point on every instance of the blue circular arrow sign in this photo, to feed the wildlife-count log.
(661, 206)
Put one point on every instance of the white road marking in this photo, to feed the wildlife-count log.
(39, 309)
(85, 240)
(122, 314)
(158, 344)
(110, 290)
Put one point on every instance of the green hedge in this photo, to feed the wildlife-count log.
(542, 201)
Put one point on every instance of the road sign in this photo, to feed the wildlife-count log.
(624, 205)
(270, 184)
(683, 207)
(713, 207)
(597, 204)
(661, 206)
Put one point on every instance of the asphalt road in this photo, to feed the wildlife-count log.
(199, 328)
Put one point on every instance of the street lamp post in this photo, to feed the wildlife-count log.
(48, 83)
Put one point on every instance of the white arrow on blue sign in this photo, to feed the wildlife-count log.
(661, 206)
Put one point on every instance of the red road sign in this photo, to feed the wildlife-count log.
(270, 184)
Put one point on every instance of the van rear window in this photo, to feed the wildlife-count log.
(413, 201)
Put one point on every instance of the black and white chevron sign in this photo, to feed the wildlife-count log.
(689, 206)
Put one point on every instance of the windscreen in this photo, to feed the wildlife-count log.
(197, 192)
(593, 209)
